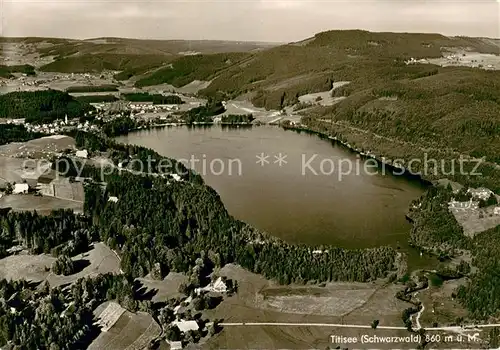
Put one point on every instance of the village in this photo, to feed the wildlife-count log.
(479, 213)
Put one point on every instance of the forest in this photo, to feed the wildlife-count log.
(16, 133)
(85, 62)
(96, 98)
(6, 71)
(60, 232)
(435, 229)
(58, 319)
(237, 119)
(41, 106)
(204, 114)
(481, 294)
(184, 70)
(119, 126)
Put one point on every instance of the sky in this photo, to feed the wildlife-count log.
(243, 20)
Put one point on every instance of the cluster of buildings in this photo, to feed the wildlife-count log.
(480, 193)
(468, 205)
(59, 126)
(143, 107)
(476, 195)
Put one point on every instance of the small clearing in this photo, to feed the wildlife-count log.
(42, 204)
(475, 221)
(324, 98)
(109, 315)
(100, 260)
(165, 289)
(38, 148)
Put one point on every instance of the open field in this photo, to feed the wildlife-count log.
(166, 288)
(42, 204)
(108, 314)
(301, 331)
(246, 107)
(440, 307)
(39, 147)
(128, 330)
(191, 88)
(28, 267)
(475, 221)
(323, 98)
(368, 302)
(100, 260)
(12, 169)
(337, 300)
(62, 188)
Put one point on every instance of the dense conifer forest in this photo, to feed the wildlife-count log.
(41, 106)
(16, 133)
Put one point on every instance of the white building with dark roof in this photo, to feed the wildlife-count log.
(186, 326)
(20, 189)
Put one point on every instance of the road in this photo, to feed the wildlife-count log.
(338, 325)
(419, 313)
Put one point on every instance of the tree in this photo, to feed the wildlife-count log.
(199, 303)
(9, 188)
(492, 200)
(493, 338)
(63, 266)
(173, 333)
(463, 268)
(375, 324)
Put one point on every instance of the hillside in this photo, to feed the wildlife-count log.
(391, 108)
(134, 56)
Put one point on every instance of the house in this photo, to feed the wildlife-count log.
(496, 211)
(219, 286)
(175, 345)
(113, 199)
(82, 154)
(20, 189)
(186, 326)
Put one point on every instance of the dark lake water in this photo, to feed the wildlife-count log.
(312, 199)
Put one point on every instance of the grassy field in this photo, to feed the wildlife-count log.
(477, 220)
(353, 303)
(379, 303)
(43, 204)
(99, 260)
(39, 147)
(129, 331)
(165, 289)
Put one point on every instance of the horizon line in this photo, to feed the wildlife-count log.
(246, 41)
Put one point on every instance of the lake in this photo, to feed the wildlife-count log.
(296, 186)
